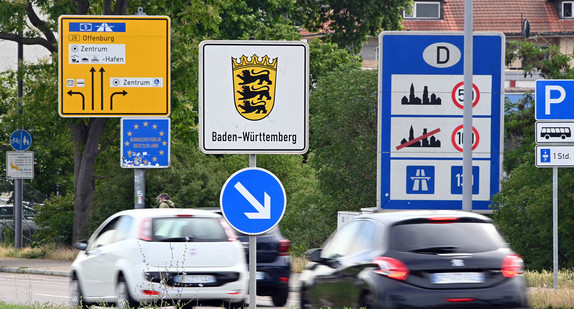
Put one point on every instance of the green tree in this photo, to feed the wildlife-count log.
(91, 137)
(523, 207)
(343, 126)
(349, 23)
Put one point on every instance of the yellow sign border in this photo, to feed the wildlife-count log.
(96, 92)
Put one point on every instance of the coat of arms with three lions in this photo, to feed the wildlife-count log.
(254, 86)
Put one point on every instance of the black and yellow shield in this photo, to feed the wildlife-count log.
(254, 86)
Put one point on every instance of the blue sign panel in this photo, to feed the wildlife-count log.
(20, 140)
(421, 104)
(420, 179)
(145, 142)
(456, 179)
(554, 99)
(97, 27)
(253, 200)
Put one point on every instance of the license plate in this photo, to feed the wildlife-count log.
(194, 279)
(449, 278)
(260, 275)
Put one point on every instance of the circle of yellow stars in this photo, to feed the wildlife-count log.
(154, 126)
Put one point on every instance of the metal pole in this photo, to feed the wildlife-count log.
(252, 255)
(139, 188)
(467, 110)
(139, 173)
(555, 225)
(18, 183)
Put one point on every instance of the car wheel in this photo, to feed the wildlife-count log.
(124, 299)
(280, 296)
(304, 301)
(237, 305)
(189, 304)
(368, 301)
(76, 296)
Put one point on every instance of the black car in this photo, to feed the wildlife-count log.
(414, 259)
(273, 264)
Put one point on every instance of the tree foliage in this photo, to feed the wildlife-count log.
(344, 137)
(77, 160)
(349, 23)
(523, 207)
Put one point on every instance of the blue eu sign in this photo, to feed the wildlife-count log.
(145, 142)
(253, 200)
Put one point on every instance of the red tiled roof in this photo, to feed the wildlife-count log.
(498, 15)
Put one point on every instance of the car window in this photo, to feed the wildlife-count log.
(105, 236)
(123, 227)
(188, 229)
(459, 237)
(353, 237)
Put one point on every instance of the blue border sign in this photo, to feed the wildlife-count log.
(20, 140)
(253, 200)
(421, 93)
(145, 142)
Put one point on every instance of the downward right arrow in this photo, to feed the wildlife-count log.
(263, 211)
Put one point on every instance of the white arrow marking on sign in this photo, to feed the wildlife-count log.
(263, 212)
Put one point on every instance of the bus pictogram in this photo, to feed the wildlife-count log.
(562, 132)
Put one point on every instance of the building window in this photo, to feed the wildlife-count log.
(423, 10)
(567, 9)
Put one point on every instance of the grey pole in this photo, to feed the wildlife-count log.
(139, 173)
(252, 255)
(555, 225)
(18, 183)
(467, 110)
(139, 188)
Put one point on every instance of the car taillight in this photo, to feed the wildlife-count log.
(442, 220)
(145, 230)
(284, 246)
(231, 236)
(512, 266)
(391, 268)
(460, 300)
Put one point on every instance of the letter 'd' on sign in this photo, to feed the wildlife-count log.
(442, 55)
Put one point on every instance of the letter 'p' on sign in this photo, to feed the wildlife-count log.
(442, 55)
(550, 97)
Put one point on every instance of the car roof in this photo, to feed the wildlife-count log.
(162, 212)
(391, 217)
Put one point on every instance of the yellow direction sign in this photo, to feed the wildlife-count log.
(114, 66)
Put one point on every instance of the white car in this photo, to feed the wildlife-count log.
(172, 256)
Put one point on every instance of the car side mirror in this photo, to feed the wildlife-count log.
(314, 255)
(81, 245)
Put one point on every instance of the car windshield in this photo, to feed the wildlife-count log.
(188, 229)
(461, 237)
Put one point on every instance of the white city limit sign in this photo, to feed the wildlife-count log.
(254, 97)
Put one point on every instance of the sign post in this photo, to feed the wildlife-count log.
(253, 98)
(114, 66)
(555, 146)
(145, 143)
(253, 201)
(421, 132)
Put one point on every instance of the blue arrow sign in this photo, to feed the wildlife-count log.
(20, 140)
(253, 200)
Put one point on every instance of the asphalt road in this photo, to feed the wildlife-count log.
(33, 282)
